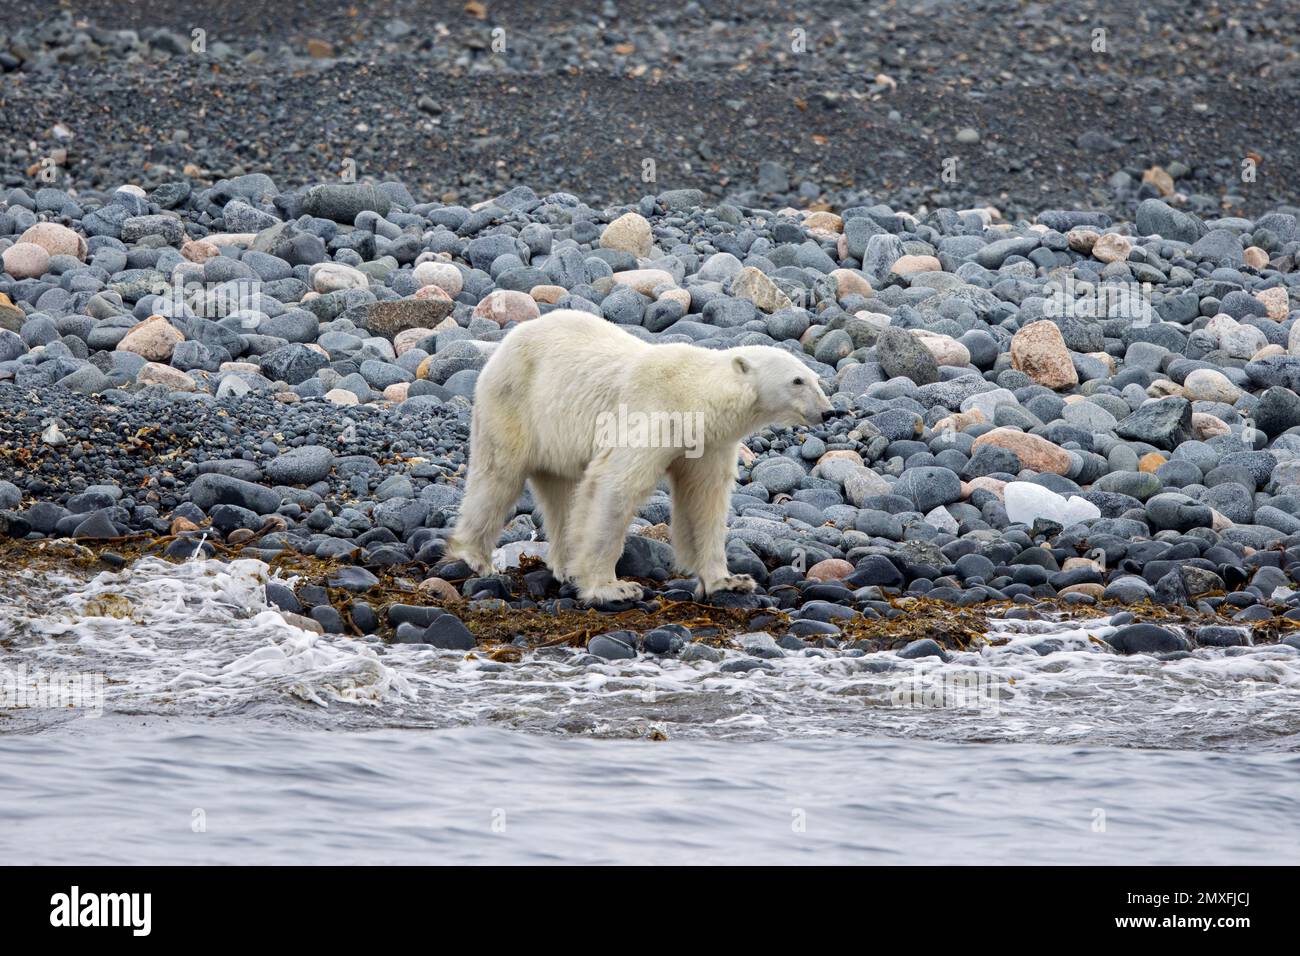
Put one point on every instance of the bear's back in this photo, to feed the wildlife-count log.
(574, 325)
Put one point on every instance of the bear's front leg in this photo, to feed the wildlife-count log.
(613, 487)
(611, 592)
(740, 583)
(701, 494)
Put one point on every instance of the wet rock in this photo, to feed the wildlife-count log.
(1146, 639)
(449, 633)
(611, 647)
(924, 647)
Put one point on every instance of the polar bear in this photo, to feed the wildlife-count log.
(592, 417)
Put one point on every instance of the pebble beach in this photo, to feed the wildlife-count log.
(1051, 293)
(306, 387)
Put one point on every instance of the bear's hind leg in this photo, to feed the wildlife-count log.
(686, 547)
(489, 498)
(614, 485)
(701, 492)
(555, 495)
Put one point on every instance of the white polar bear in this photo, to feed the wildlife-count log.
(592, 417)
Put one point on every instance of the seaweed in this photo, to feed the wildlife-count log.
(503, 631)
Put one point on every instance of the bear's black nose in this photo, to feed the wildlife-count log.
(828, 414)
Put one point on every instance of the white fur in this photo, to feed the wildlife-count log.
(536, 409)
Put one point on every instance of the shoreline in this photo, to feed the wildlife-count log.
(1061, 343)
(503, 631)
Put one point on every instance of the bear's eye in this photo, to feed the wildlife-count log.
(798, 381)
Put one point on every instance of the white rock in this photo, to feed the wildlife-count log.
(839, 469)
(53, 436)
(1080, 509)
(232, 386)
(333, 276)
(511, 555)
(941, 519)
(341, 396)
(1026, 502)
(444, 275)
(987, 402)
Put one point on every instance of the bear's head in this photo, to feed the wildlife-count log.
(786, 391)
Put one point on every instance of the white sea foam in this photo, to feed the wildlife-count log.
(197, 634)
(199, 639)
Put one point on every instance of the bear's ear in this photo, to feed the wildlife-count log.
(740, 365)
